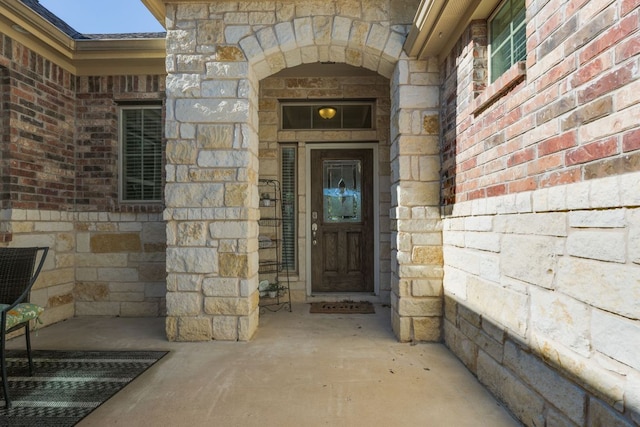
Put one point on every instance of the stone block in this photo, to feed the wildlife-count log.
(192, 260)
(139, 309)
(220, 287)
(207, 110)
(427, 255)
(599, 245)
(557, 419)
(224, 159)
(234, 33)
(420, 307)
(401, 326)
(465, 349)
(377, 38)
(60, 300)
(504, 306)
(192, 329)
(102, 260)
(450, 309)
(225, 328)
(484, 241)
(566, 396)
(227, 306)
(247, 326)
(91, 291)
(634, 235)
(303, 28)
(601, 414)
(322, 26)
(531, 259)
(428, 329)
(426, 288)
(118, 274)
(525, 404)
(548, 224)
(204, 195)
(603, 383)
(234, 265)
(97, 308)
(562, 319)
(184, 303)
(470, 316)
(632, 395)
(610, 218)
(614, 291)
(455, 282)
(617, 337)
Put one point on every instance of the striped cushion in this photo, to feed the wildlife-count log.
(21, 313)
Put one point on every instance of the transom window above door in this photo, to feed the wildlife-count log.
(326, 115)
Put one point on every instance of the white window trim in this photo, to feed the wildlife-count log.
(490, 77)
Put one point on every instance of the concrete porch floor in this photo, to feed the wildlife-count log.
(300, 369)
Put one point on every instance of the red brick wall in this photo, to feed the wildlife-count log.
(37, 161)
(573, 116)
(59, 133)
(97, 137)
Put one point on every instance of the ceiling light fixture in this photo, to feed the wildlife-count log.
(327, 112)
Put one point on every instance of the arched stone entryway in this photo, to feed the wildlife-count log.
(217, 54)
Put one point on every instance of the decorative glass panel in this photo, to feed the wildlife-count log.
(345, 115)
(342, 191)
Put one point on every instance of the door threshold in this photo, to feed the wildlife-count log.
(339, 297)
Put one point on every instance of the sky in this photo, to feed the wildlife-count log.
(104, 17)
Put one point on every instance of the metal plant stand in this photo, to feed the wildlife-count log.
(273, 284)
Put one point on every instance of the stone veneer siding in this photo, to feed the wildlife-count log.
(541, 191)
(218, 54)
(59, 166)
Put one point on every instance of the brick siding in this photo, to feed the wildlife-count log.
(37, 138)
(573, 117)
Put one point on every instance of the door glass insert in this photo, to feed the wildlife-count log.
(342, 191)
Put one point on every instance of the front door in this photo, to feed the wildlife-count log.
(342, 243)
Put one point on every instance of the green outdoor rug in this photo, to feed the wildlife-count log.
(67, 385)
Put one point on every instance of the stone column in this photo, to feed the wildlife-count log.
(416, 262)
(211, 191)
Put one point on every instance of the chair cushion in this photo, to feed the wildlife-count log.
(21, 313)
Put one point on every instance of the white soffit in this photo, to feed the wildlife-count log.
(439, 23)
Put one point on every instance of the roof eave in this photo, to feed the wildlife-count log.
(82, 57)
(439, 23)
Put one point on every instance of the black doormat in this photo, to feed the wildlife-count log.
(344, 307)
(67, 385)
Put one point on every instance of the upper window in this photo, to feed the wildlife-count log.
(507, 37)
(141, 142)
(330, 115)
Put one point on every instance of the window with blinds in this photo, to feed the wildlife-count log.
(288, 183)
(507, 37)
(141, 159)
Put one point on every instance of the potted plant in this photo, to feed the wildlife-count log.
(273, 290)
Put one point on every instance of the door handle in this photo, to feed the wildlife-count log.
(314, 232)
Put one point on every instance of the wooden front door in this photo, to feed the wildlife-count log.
(341, 229)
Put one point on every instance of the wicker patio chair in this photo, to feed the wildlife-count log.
(18, 273)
